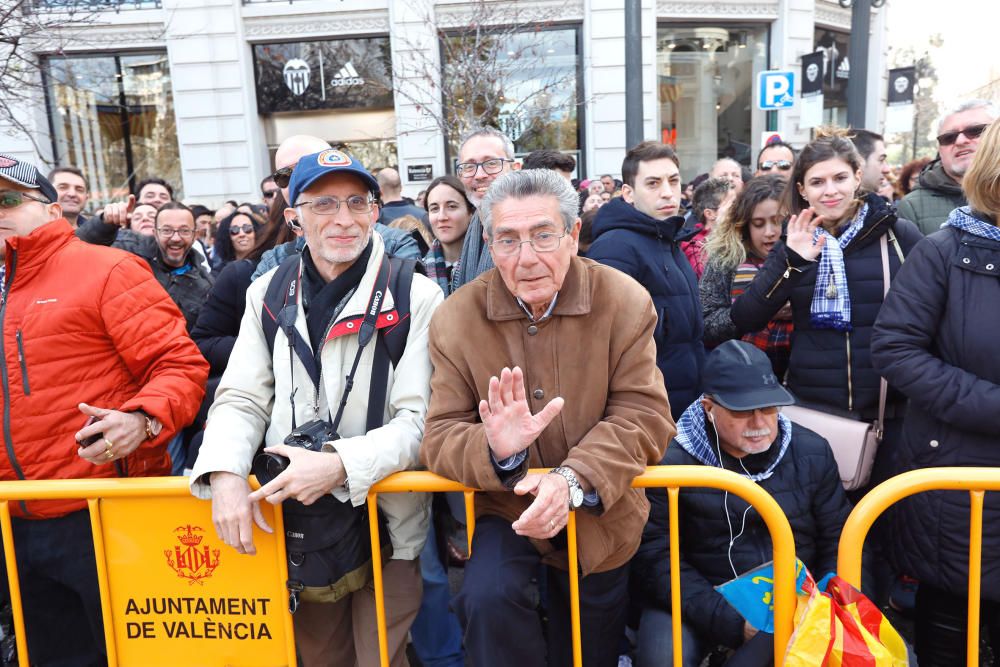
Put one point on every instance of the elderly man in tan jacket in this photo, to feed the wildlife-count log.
(548, 361)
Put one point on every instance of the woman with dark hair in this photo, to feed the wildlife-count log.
(449, 212)
(909, 175)
(235, 238)
(737, 247)
(830, 267)
(935, 339)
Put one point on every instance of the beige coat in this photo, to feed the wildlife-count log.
(597, 352)
(252, 403)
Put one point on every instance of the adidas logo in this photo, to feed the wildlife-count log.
(347, 76)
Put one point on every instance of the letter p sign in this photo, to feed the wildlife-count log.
(775, 90)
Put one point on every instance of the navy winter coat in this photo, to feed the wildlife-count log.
(219, 320)
(830, 368)
(936, 340)
(649, 250)
(805, 484)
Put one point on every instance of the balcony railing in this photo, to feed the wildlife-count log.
(91, 5)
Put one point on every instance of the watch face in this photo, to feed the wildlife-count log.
(576, 496)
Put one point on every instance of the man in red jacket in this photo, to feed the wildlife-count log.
(86, 334)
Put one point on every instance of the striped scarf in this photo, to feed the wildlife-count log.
(437, 268)
(776, 338)
(962, 218)
(831, 302)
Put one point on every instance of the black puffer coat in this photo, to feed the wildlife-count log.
(805, 484)
(936, 340)
(830, 368)
(649, 250)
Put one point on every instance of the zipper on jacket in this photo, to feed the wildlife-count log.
(782, 278)
(24, 364)
(5, 379)
(850, 383)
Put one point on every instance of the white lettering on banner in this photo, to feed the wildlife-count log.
(347, 76)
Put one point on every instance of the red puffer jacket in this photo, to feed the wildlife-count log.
(83, 323)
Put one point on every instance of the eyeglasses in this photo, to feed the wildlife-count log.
(236, 229)
(269, 194)
(508, 246)
(282, 176)
(14, 198)
(490, 167)
(782, 165)
(747, 414)
(166, 232)
(331, 205)
(971, 132)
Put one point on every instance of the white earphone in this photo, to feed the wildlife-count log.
(725, 502)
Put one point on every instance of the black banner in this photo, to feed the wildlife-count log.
(331, 74)
(836, 65)
(812, 74)
(901, 82)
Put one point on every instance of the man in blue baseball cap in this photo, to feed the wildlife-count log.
(318, 325)
(735, 425)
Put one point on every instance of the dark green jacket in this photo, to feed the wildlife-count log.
(933, 200)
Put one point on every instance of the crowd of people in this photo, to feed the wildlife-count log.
(513, 319)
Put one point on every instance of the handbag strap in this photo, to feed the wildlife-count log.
(883, 386)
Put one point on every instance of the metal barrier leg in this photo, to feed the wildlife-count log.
(574, 590)
(470, 517)
(675, 576)
(102, 579)
(975, 572)
(14, 583)
(383, 638)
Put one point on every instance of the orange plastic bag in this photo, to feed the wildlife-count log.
(840, 627)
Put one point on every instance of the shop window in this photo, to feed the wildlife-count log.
(113, 117)
(705, 79)
(524, 83)
(834, 46)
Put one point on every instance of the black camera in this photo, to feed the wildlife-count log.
(310, 435)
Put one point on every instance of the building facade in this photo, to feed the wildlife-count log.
(201, 92)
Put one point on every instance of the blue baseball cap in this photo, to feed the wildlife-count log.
(331, 161)
(739, 376)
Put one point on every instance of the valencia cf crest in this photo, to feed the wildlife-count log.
(190, 559)
(296, 74)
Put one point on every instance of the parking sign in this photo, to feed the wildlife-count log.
(775, 90)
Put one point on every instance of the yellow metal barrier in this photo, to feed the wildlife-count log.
(974, 480)
(165, 579)
(670, 477)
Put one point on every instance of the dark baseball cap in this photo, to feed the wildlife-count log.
(26, 175)
(310, 168)
(739, 376)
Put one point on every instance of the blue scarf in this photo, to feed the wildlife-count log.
(831, 302)
(962, 218)
(437, 267)
(693, 438)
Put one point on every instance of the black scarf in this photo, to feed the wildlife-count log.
(323, 300)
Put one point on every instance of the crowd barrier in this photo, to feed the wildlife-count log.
(171, 592)
(672, 478)
(974, 480)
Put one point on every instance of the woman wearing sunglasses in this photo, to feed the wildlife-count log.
(830, 267)
(236, 238)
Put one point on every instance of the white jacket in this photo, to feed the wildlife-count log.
(252, 402)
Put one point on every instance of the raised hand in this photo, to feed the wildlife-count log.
(510, 426)
(801, 229)
(117, 213)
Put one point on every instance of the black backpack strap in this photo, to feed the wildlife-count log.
(280, 310)
(391, 341)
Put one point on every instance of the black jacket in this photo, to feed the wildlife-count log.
(936, 340)
(829, 368)
(805, 483)
(219, 320)
(649, 250)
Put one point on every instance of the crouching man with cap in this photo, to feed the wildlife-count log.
(289, 386)
(735, 425)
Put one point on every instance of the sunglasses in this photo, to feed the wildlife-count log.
(269, 194)
(782, 165)
(971, 132)
(236, 229)
(14, 198)
(283, 176)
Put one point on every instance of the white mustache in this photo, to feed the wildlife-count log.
(756, 433)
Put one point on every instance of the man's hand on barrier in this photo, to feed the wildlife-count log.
(510, 426)
(549, 512)
(308, 477)
(233, 513)
(120, 433)
(118, 213)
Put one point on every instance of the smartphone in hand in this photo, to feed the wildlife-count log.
(87, 442)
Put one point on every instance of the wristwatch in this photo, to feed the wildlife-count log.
(575, 490)
(153, 426)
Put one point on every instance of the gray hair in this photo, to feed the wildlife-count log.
(486, 131)
(530, 183)
(969, 105)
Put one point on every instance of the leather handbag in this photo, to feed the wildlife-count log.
(853, 442)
